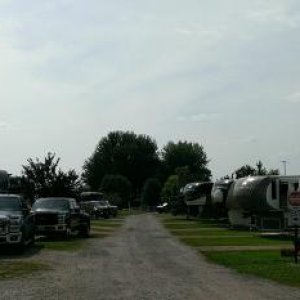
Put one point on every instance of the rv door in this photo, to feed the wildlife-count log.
(283, 194)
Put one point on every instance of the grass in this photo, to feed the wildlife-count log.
(210, 232)
(267, 264)
(133, 211)
(13, 269)
(72, 244)
(100, 228)
(232, 241)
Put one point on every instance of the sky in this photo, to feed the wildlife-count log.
(224, 74)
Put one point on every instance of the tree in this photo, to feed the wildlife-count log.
(273, 172)
(244, 171)
(172, 195)
(46, 179)
(151, 192)
(117, 188)
(190, 156)
(122, 153)
(260, 170)
(171, 188)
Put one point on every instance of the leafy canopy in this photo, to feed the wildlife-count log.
(117, 188)
(122, 153)
(186, 157)
(46, 179)
(151, 192)
(248, 170)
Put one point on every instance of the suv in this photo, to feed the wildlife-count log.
(60, 216)
(96, 209)
(16, 224)
(113, 209)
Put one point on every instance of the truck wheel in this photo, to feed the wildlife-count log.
(67, 233)
(85, 230)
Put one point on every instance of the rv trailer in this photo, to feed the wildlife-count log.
(219, 195)
(4, 181)
(261, 201)
(197, 197)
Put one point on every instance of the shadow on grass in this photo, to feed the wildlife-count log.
(59, 243)
(9, 252)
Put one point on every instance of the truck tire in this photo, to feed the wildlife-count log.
(85, 230)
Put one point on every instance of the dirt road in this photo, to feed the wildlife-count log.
(141, 261)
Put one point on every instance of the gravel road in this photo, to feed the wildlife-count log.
(141, 261)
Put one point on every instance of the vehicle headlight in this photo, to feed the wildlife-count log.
(15, 220)
(61, 218)
(15, 224)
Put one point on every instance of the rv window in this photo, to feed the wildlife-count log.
(274, 194)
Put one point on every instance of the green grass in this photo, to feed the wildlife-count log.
(100, 224)
(188, 225)
(211, 232)
(126, 212)
(266, 264)
(13, 269)
(73, 244)
(263, 263)
(232, 241)
(99, 229)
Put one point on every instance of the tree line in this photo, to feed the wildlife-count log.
(126, 167)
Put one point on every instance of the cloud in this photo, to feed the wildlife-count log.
(202, 117)
(294, 97)
(249, 139)
(5, 125)
(276, 13)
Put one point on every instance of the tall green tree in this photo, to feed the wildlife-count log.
(122, 153)
(260, 170)
(244, 171)
(151, 192)
(117, 188)
(44, 178)
(170, 189)
(189, 156)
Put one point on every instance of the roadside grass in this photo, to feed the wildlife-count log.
(189, 224)
(267, 264)
(100, 228)
(133, 211)
(13, 269)
(232, 241)
(210, 232)
(72, 244)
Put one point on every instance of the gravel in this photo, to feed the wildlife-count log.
(141, 261)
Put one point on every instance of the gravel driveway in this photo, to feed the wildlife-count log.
(141, 261)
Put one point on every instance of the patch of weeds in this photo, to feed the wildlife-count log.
(61, 245)
(266, 264)
(13, 269)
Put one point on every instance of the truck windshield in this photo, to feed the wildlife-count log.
(57, 204)
(9, 204)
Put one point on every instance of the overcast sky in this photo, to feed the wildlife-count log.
(224, 74)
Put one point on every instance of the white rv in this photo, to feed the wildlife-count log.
(261, 201)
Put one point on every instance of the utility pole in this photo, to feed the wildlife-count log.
(284, 166)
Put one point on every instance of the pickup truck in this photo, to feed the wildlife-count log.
(60, 216)
(17, 227)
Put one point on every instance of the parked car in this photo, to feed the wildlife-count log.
(59, 215)
(96, 209)
(16, 224)
(162, 208)
(113, 209)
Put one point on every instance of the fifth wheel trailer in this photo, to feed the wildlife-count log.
(197, 197)
(261, 201)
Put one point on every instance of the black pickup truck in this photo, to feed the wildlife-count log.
(60, 216)
(17, 226)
